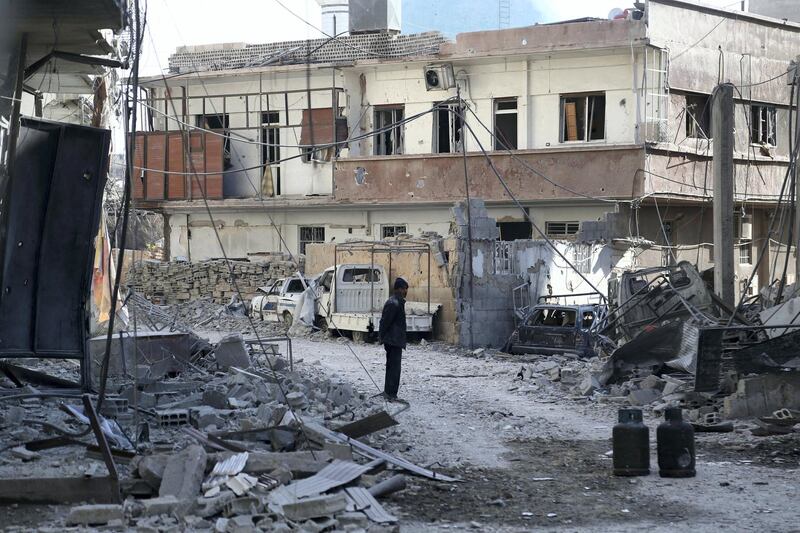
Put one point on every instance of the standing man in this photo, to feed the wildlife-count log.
(392, 333)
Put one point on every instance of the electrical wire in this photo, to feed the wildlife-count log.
(139, 26)
(515, 157)
(521, 208)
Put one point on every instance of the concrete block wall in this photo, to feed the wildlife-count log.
(178, 282)
(485, 305)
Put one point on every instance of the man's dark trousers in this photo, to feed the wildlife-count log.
(392, 382)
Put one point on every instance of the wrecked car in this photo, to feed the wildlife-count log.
(556, 329)
(277, 302)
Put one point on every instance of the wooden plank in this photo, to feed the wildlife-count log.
(139, 162)
(156, 159)
(214, 162)
(176, 183)
(59, 490)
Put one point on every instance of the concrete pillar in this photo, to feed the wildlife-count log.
(722, 128)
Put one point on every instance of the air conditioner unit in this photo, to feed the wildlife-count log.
(439, 77)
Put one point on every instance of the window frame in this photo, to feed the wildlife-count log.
(771, 112)
(693, 126)
(566, 234)
(496, 102)
(384, 227)
(453, 128)
(313, 240)
(562, 133)
(396, 129)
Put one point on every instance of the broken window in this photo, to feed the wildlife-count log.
(447, 122)
(390, 139)
(698, 116)
(295, 286)
(316, 134)
(389, 231)
(311, 235)
(763, 125)
(271, 150)
(505, 124)
(558, 230)
(512, 231)
(220, 122)
(583, 117)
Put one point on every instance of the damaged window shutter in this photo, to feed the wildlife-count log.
(318, 125)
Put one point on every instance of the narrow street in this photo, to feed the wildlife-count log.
(538, 459)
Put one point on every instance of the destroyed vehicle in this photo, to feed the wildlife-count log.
(641, 300)
(277, 302)
(350, 299)
(556, 329)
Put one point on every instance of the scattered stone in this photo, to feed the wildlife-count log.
(94, 515)
(151, 469)
(21, 452)
(231, 351)
(644, 396)
(165, 505)
(183, 475)
(315, 507)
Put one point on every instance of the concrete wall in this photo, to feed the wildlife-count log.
(609, 173)
(246, 232)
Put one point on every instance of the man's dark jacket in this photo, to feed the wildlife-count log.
(393, 322)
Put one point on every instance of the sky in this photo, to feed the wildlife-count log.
(173, 23)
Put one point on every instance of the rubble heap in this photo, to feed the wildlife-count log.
(235, 448)
(177, 282)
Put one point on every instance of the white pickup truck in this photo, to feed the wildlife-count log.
(350, 298)
(276, 302)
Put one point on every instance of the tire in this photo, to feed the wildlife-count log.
(360, 337)
(288, 319)
(322, 324)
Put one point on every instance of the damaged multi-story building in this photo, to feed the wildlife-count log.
(601, 129)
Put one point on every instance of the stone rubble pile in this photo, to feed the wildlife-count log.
(178, 282)
(233, 449)
(755, 397)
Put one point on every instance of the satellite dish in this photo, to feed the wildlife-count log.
(615, 13)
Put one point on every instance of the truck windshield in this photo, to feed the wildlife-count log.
(294, 286)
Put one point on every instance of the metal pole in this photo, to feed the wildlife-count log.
(371, 281)
(723, 116)
(469, 217)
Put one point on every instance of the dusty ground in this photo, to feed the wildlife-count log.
(531, 458)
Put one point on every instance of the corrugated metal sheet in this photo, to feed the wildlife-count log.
(336, 474)
(372, 452)
(231, 466)
(363, 501)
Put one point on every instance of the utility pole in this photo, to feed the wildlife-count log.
(722, 129)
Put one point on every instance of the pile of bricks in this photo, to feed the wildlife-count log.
(178, 282)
